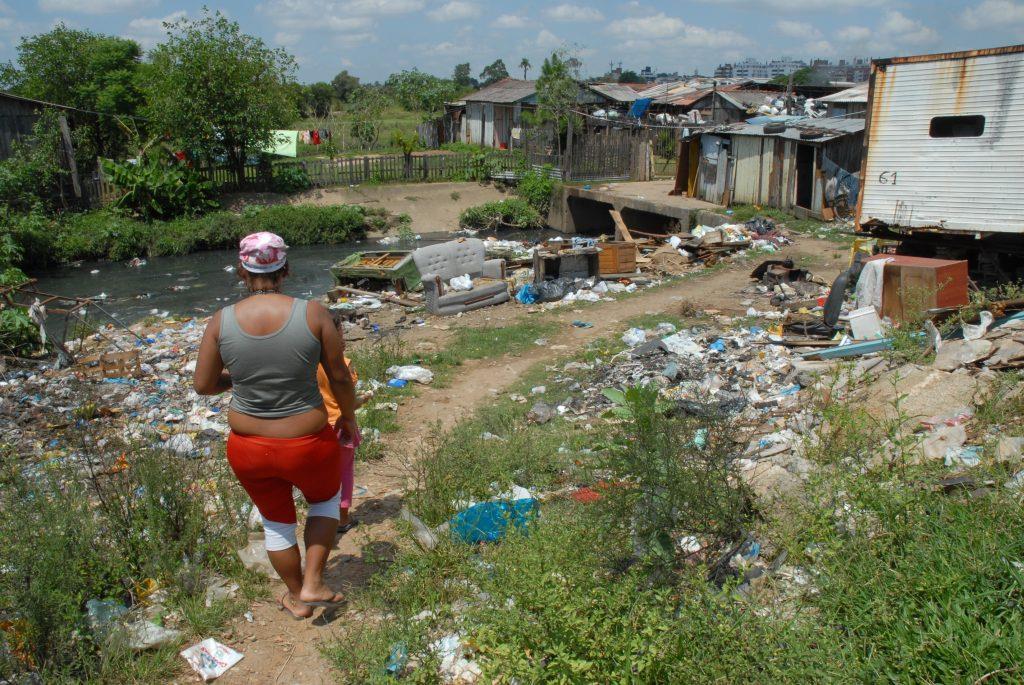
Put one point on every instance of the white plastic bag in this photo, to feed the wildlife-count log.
(461, 283)
(211, 659)
(634, 337)
(411, 373)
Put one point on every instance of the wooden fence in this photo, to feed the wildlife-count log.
(323, 173)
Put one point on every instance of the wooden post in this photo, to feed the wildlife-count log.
(366, 169)
(567, 158)
(69, 152)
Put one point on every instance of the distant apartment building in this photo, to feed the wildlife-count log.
(647, 74)
(755, 69)
(856, 70)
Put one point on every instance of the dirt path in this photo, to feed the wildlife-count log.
(279, 650)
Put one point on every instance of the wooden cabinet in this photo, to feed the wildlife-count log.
(911, 285)
(617, 258)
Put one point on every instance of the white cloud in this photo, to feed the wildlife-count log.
(993, 13)
(547, 40)
(148, 31)
(796, 29)
(894, 34)
(285, 38)
(668, 33)
(375, 7)
(853, 34)
(353, 40)
(652, 26)
(95, 6)
(577, 13)
(455, 10)
(510, 21)
(802, 6)
(4, 8)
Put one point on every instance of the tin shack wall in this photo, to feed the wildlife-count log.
(913, 180)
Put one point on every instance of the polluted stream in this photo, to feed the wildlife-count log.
(200, 283)
(196, 284)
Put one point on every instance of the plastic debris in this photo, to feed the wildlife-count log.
(461, 283)
(210, 659)
(490, 521)
(413, 373)
(397, 659)
(634, 337)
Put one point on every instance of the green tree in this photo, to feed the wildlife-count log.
(219, 92)
(86, 70)
(525, 65)
(630, 76)
(557, 93)
(462, 76)
(801, 77)
(493, 72)
(421, 92)
(368, 105)
(344, 85)
(319, 97)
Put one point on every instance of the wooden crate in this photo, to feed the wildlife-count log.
(911, 285)
(617, 258)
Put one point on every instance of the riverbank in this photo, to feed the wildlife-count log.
(106, 234)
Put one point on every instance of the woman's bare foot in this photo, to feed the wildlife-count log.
(298, 609)
(321, 596)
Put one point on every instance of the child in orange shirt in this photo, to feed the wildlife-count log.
(348, 449)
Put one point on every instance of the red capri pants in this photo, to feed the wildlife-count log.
(269, 467)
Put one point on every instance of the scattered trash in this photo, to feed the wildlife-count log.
(411, 373)
(142, 635)
(397, 659)
(540, 413)
(254, 557)
(634, 337)
(461, 283)
(220, 589)
(210, 659)
(489, 521)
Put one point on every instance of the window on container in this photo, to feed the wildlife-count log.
(970, 126)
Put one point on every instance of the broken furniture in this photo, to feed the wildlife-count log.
(913, 285)
(617, 259)
(552, 261)
(382, 269)
(438, 264)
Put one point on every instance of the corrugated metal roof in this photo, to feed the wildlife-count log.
(859, 93)
(507, 90)
(619, 92)
(831, 128)
(962, 183)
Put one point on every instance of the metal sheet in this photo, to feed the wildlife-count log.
(958, 184)
(747, 153)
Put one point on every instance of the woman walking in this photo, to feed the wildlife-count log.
(266, 349)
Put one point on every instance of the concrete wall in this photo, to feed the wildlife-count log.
(575, 210)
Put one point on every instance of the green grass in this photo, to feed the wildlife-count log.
(921, 589)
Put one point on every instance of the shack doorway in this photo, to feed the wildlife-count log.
(804, 175)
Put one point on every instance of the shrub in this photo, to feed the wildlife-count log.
(512, 213)
(536, 188)
(152, 189)
(106, 234)
(290, 178)
(102, 532)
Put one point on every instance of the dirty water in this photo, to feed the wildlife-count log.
(198, 284)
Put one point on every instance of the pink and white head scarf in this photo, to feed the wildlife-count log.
(262, 253)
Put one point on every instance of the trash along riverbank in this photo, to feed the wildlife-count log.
(685, 477)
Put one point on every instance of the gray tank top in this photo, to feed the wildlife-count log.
(272, 375)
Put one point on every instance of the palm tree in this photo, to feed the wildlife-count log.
(525, 66)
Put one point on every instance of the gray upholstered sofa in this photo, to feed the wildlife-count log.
(438, 264)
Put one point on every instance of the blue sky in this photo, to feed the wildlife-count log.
(373, 38)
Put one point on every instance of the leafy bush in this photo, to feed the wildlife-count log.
(512, 213)
(154, 190)
(536, 188)
(105, 530)
(31, 176)
(107, 234)
(290, 178)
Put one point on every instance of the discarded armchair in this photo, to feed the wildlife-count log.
(438, 264)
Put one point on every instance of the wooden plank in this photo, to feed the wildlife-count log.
(621, 231)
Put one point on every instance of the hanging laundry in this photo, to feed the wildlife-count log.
(284, 143)
(304, 137)
(315, 137)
